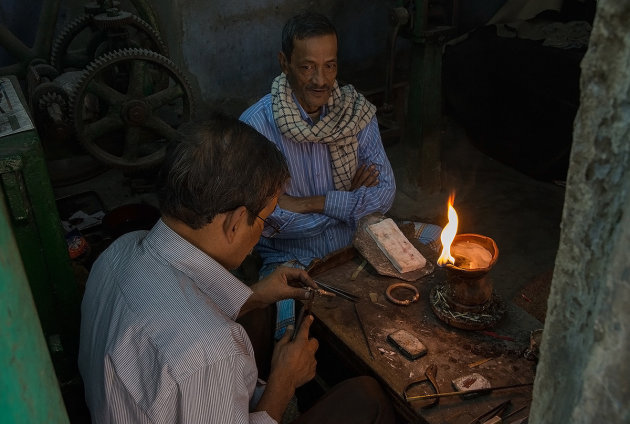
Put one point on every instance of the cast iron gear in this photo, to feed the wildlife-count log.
(112, 18)
(98, 37)
(64, 38)
(96, 7)
(50, 97)
(43, 71)
(128, 104)
(51, 111)
(39, 74)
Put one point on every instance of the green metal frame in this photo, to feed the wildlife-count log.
(424, 109)
(29, 392)
(26, 189)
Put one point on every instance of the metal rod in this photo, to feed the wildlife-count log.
(365, 337)
(339, 292)
(476, 364)
(466, 392)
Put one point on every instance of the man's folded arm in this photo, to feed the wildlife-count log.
(298, 225)
(350, 206)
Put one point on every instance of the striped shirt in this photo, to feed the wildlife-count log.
(304, 237)
(158, 339)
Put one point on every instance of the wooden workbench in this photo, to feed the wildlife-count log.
(451, 349)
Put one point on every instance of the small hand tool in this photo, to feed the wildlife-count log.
(341, 293)
(356, 271)
(320, 292)
(312, 291)
(496, 411)
(465, 392)
(481, 361)
(306, 309)
(497, 418)
(430, 381)
(365, 337)
(307, 306)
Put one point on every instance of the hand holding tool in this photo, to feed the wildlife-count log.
(341, 293)
(307, 306)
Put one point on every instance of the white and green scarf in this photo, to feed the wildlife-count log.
(348, 113)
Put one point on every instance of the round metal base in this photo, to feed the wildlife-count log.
(486, 316)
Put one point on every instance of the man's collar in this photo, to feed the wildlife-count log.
(212, 279)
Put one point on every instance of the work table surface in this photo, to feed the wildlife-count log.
(451, 349)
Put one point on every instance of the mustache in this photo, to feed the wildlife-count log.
(319, 87)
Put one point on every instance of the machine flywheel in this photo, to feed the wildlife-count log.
(128, 104)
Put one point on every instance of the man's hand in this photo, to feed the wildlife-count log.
(292, 365)
(311, 204)
(277, 286)
(365, 176)
(295, 360)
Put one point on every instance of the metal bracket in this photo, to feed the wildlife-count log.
(14, 188)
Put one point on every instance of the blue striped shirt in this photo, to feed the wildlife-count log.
(304, 237)
(158, 339)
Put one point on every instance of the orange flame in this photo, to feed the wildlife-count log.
(448, 234)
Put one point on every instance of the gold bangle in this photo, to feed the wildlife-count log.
(388, 294)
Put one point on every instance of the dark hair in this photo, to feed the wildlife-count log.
(216, 166)
(304, 25)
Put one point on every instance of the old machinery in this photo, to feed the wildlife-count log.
(49, 102)
(127, 105)
(92, 35)
(26, 189)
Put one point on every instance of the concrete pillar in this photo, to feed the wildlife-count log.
(584, 370)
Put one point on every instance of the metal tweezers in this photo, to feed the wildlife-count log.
(338, 292)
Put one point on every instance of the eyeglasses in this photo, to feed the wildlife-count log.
(276, 230)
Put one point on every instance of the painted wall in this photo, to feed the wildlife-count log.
(229, 49)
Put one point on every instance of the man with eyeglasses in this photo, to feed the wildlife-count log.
(330, 138)
(159, 337)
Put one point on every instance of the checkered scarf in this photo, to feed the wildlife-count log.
(348, 113)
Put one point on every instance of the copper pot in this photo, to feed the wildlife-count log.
(470, 289)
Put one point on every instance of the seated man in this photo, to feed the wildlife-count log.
(159, 341)
(330, 138)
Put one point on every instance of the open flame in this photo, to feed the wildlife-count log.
(448, 234)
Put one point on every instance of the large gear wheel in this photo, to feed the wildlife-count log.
(89, 36)
(127, 105)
